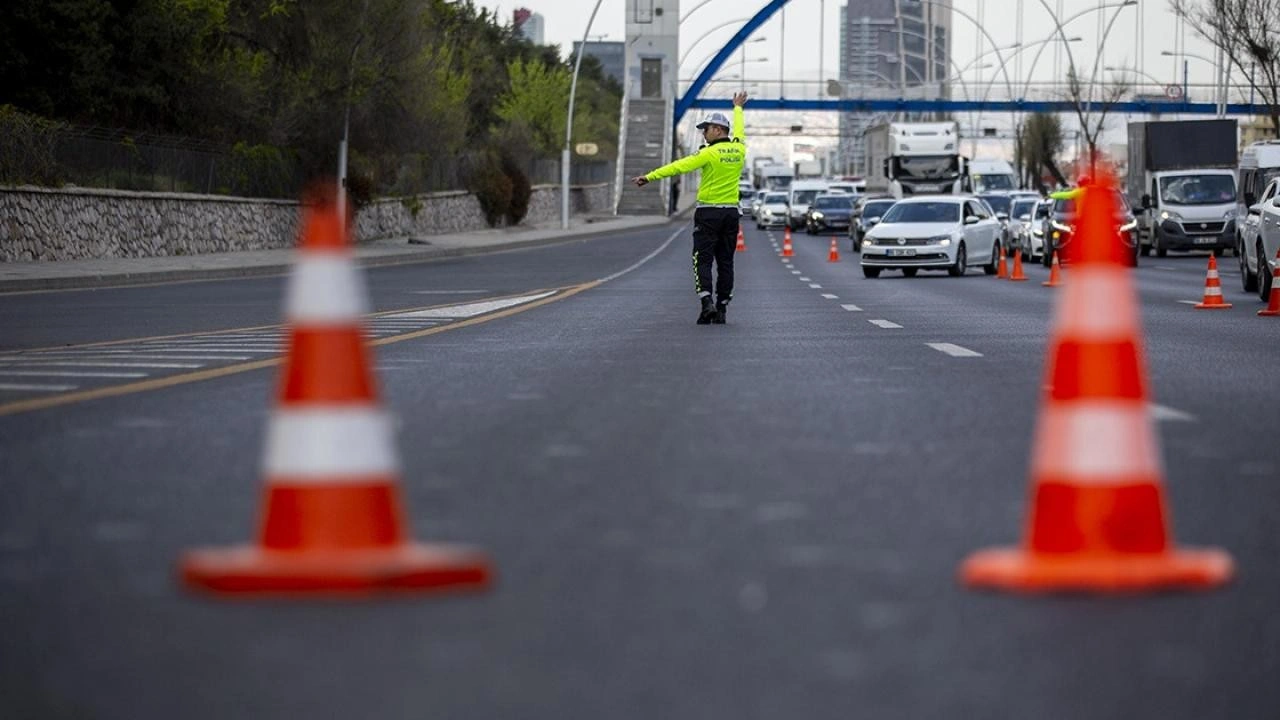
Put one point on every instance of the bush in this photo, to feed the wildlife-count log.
(263, 171)
(521, 190)
(483, 177)
(27, 149)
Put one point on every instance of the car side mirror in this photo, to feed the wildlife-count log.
(873, 220)
(1024, 218)
(971, 220)
(1276, 202)
(1255, 209)
(1146, 202)
(1002, 216)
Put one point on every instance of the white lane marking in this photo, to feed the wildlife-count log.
(885, 324)
(852, 308)
(448, 292)
(1161, 412)
(55, 373)
(1166, 267)
(1189, 302)
(466, 310)
(815, 286)
(954, 350)
(646, 258)
(829, 296)
(67, 355)
(89, 363)
(36, 388)
(222, 348)
(795, 272)
(804, 279)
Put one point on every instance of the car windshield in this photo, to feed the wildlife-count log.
(775, 199)
(1067, 206)
(803, 197)
(876, 209)
(831, 202)
(923, 212)
(993, 182)
(1042, 210)
(1023, 207)
(1198, 189)
(999, 203)
(935, 166)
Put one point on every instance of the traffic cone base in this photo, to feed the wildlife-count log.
(252, 570)
(1021, 570)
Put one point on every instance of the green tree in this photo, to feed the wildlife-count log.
(538, 94)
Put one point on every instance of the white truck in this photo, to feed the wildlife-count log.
(1182, 180)
(992, 176)
(775, 177)
(915, 159)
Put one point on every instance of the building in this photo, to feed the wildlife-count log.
(889, 48)
(529, 25)
(612, 57)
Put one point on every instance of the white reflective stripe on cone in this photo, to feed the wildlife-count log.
(1096, 442)
(325, 288)
(1213, 290)
(339, 443)
(1098, 304)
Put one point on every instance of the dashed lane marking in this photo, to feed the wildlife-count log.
(852, 308)
(59, 373)
(16, 387)
(954, 350)
(815, 286)
(829, 296)
(804, 279)
(1161, 412)
(886, 324)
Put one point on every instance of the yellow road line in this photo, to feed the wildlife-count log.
(28, 405)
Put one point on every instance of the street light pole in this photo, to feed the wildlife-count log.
(568, 123)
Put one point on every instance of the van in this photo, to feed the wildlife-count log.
(992, 176)
(801, 193)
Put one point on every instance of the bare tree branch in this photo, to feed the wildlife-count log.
(1248, 32)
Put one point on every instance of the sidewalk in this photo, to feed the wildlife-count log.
(104, 272)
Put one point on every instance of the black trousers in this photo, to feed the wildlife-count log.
(715, 238)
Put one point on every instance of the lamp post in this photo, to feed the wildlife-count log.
(568, 123)
(705, 35)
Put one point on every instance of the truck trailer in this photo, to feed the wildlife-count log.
(1182, 182)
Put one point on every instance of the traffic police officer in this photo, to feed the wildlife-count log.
(715, 222)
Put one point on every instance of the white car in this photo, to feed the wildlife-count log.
(773, 211)
(939, 232)
(1258, 241)
(1022, 220)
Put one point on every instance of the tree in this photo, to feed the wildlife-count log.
(1041, 139)
(1248, 32)
(539, 95)
(1092, 114)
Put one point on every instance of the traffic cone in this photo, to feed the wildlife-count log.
(1054, 269)
(1273, 300)
(1017, 275)
(1002, 271)
(332, 522)
(786, 243)
(834, 254)
(1213, 289)
(1098, 516)
(742, 241)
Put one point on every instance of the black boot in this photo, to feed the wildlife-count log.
(722, 308)
(708, 311)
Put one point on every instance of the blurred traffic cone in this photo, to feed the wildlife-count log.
(742, 241)
(1098, 515)
(1002, 271)
(332, 522)
(1017, 275)
(1212, 289)
(1054, 269)
(834, 254)
(1273, 300)
(786, 243)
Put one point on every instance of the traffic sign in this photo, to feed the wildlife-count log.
(1173, 91)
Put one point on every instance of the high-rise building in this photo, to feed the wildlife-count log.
(529, 25)
(612, 56)
(889, 48)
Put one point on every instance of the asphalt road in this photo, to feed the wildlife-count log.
(756, 520)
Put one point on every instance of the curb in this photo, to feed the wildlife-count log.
(105, 280)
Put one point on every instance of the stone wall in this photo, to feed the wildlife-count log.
(80, 223)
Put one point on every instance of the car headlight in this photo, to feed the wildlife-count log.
(1129, 226)
(1038, 232)
(943, 240)
(818, 216)
(867, 242)
(1061, 227)
(1166, 215)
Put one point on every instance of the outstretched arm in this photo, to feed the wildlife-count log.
(679, 167)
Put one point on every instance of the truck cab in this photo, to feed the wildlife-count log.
(916, 158)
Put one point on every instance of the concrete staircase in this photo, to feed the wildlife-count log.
(646, 144)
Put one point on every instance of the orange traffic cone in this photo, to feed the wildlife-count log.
(1054, 269)
(834, 254)
(1017, 275)
(1212, 289)
(742, 241)
(1098, 515)
(786, 243)
(1002, 271)
(332, 523)
(1273, 300)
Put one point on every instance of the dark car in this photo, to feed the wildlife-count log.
(1059, 229)
(867, 211)
(829, 212)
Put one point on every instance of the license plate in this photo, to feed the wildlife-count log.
(894, 252)
(1206, 240)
